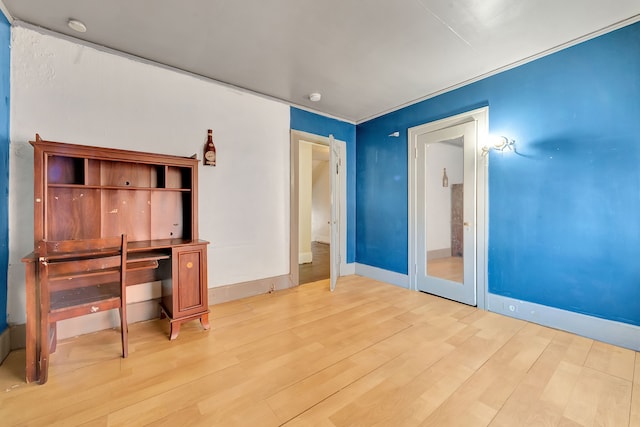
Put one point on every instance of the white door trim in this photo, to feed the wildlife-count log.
(481, 116)
(296, 138)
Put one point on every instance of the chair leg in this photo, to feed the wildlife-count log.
(54, 339)
(124, 332)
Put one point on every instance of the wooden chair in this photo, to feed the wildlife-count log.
(79, 277)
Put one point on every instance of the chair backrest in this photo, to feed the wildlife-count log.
(72, 264)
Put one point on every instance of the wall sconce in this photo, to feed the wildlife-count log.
(498, 143)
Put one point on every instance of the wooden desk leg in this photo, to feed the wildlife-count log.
(204, 321)
(175, 330)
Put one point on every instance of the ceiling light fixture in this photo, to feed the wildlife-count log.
(76, 25)
(315, 97)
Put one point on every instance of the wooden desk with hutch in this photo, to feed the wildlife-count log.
(83, 192)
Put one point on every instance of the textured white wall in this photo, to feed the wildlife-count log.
(321, 203)
(74, 93)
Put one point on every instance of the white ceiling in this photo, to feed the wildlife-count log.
(366, 57)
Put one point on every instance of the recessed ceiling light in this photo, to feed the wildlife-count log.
(76, 25)
(315, 97)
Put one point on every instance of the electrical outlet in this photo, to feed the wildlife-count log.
(510, 307)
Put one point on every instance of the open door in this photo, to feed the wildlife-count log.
(334, 255)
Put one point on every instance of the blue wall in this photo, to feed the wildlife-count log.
(564, 212)
(5, 40)
(324, 126)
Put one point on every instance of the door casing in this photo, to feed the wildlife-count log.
(481, 116)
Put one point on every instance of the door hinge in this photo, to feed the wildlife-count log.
(415, 152)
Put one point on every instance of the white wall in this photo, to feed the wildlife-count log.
(321, 202)
(74, 93)
(439, 156)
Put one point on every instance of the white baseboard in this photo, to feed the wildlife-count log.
(382, 275)
(14, 338)
(439, 253)
(305, 257)
(136, 312)
(616, 333)
(18, 336)
(236, 291)
(347, 269)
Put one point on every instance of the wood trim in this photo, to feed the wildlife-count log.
(114, 154)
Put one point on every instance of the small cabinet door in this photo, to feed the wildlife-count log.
(189, 278)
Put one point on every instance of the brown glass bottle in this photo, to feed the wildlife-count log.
(210, 150)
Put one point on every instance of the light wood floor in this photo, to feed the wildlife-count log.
(368, 354)
(449, 268)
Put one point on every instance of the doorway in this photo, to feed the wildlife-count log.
(314, 212)
(337, 185)
(447, 226)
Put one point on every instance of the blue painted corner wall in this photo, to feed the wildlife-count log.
(564, 211)
(5, 71)
(316, 124)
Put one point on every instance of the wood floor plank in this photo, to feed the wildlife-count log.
(634, 416)
(368, 354)
(612, 360)
(600, 399)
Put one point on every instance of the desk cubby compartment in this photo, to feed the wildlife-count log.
(130, 174)
(65, 170)
(71, 211)
(178, 178)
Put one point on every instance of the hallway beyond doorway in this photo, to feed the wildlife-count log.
(319, 268)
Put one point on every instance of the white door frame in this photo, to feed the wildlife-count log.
(296, 138)
(481, 116)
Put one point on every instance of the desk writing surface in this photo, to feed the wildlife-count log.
(140, 246)
(143, 245)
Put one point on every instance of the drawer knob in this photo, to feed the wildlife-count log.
(189, 264)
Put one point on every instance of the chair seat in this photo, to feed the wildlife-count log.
(80, 301)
